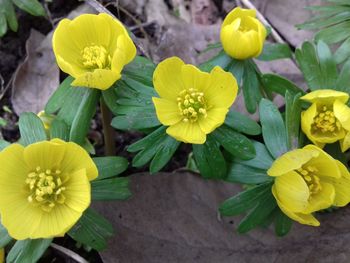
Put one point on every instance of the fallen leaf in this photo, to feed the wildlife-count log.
(173, 218)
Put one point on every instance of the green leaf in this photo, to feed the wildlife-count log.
(136, 120)
(258, 214)
(3, 144)
(275, 51)
(140, 69)
(326, 22)
(149, 140)
(32, 7)
(243, 201)
(221, 59)
(110, 189)
(251, 87)
(82, 120)
(236, 67)
(4, 236)
(28, 250)
(3, 24)
(239, 173)
(31, 128)
(110, 98)
(262, 160)
(209, 159)
(58, 98)
(92, 230)
(10, 14)
(273, 129)
(293, 117)
(327, 65)
(242, 123)
(211, 47)
(334, 34)
(234, 142)
(343, 52)
(110, 166)
(344, 78)
(280, 85)
(59, 129)
(283, 224)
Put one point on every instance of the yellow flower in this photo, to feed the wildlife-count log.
(193, 103)
(242, 35)
(327, 120)
(93, 49)
(308, 180)
(44, 188)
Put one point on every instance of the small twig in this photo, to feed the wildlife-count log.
(274, 33)
(141, 25)
(49, 16)
(4, 89)
(69, 253)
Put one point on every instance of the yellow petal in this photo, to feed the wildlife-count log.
(222, 89)
(341, 185)
(326, 96)
(167, 111)
(75, 159)
(124, 53)
(77, 191)
(187, 132)
(324, 163)
(307, 118)
(291, 161)
(342, 113)
(46, 155)
(215, 118)
(345, 142)
(100, 79)
(238, 13)
(292, 191)
(194, 78)
(167, 78)
(321, 200)
(305, 219)
(13, 169)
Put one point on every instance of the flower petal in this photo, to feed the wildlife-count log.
(345, 142)
(291, 161)
(307, 118)
(222, 89)
(167, 111)
(215, 118)
(167, 78)
(305, 219)
(292, 191)
(324, 163)
(187, 132)
(46, 155)
(322, 200)
(325, 96)
(100, 79)
(124, 53)
(194, 78)
(342, 113)
(238, 13)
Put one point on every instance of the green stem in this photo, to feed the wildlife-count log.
(108, 131)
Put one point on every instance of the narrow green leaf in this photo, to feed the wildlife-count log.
(209, 159)
(344, 78)
(262, 160)
(147, 141)
(343, 52)
(275, 51)
(10, 14)
(283, 224)
(251, 87)
(221, 59)
(334, 34)
(140, 69)
(259, 213)
(110, 166)
(31, 128)
(3, 144)
(136, 120)
(242, 123)
(236, 67)
(168, 147)
(273, 129)
(293, 116)
(28, 250)
(280, 85)
(110, 98)
(58, 98)
(234, 142)
(59, 129)
(4, 236)
(239, 173)
(243, 201)
(82, 120)
(32, 7)
(3, 24)
(110, 189)
(92, 230)
(327, 65)
(325, 22)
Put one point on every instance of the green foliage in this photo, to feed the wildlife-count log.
(293, 118)
(28, 250)
(31, 128)
(275, 51)
(280, 85)
(3, 144)
(8, 17)
(4, 236)
(110, 166)
(242, 123)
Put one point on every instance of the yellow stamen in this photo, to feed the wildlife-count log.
(311, 179)
(326, 122)
(96, 57)
(191, 104)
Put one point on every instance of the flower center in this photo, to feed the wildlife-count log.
(96, 57)
(192, 105)
(46, 188)
(326, 122)
(311, 179)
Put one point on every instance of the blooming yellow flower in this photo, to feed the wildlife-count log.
(193, 103)
(327, 120)
(93, 49)
(242, 35)
(44, 188)
(308, 180)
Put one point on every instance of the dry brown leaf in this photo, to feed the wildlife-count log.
(204, 12)
(173, 218)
